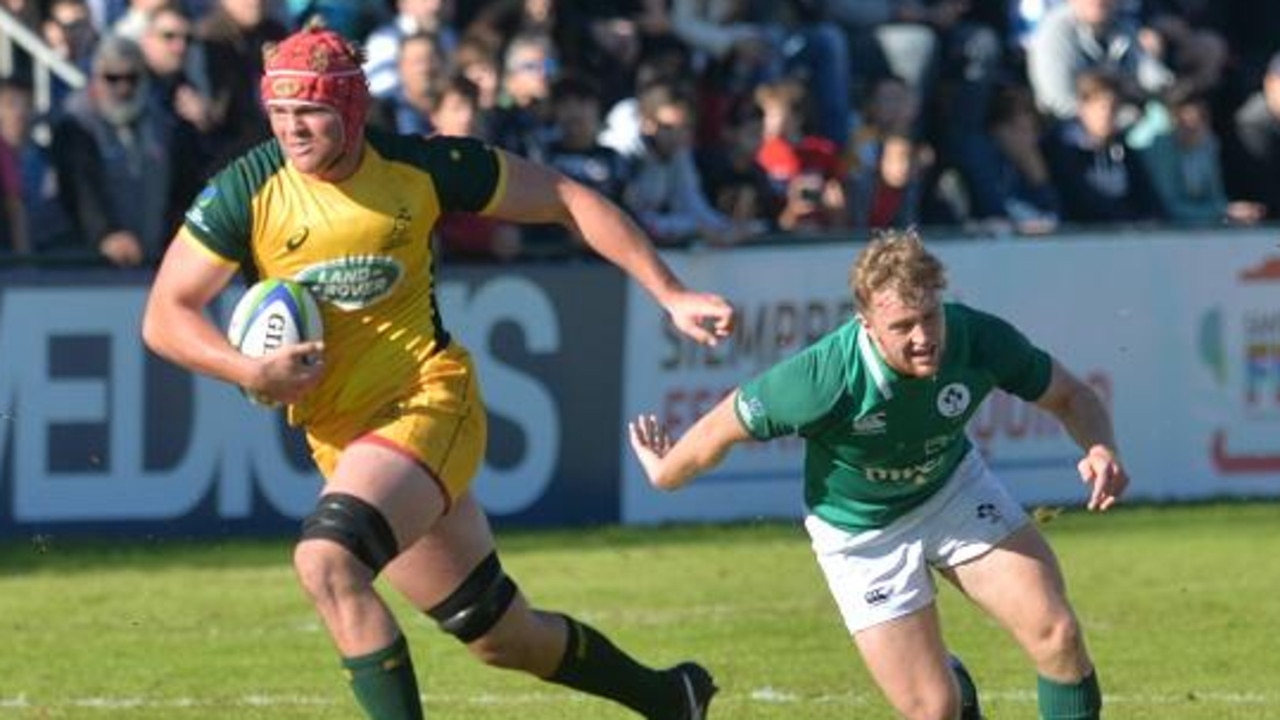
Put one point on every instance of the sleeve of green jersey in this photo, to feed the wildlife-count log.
(793, 395)
(1020, 368)
(221, 215)
(467, 172)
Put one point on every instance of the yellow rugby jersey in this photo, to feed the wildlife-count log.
(362, 246)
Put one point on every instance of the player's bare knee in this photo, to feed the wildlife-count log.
(327, 573)
(1059, 642)
(345, 543)
(471, 614)
(941, 705)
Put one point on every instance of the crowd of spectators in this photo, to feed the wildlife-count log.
(712, 121)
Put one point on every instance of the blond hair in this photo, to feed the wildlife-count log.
(897, 260)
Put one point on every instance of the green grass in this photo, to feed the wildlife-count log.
(1180, 606)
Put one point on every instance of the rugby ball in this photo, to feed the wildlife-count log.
(272, 314)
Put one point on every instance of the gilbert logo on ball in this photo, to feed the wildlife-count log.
(272, 314)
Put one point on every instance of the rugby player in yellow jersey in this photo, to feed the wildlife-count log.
(894, 489)
(389, 401)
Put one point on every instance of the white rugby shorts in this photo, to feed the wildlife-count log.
(882, 574)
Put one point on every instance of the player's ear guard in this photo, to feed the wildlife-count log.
(355, 525)
(478, 603)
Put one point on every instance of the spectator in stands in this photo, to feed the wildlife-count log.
(1100, 179)
(665, 194)
(421, 70)
(134, 21)
(68, 29)
(606, 39)
(733, 180)
(123, 172)
(1005, 172)
(522, 121)
(178, 67)
(813, 202)
(893, 37)
(751, 43)
(785, 144)
(891, 107)
(14, 239)
(47, 224)
(233, 34)
(382, 49)
(1185, 168)
(455, 108)
(889, 193)
(26, 12)
(944, 50)
(1182, 34)
(480, 64)
(804, 169)
(1084, 35)
(665, 61)
(1250, 28)
(576, 151)
(1257, 151)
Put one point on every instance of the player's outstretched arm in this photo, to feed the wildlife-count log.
(670, 465)
(1082, 413)
(538, 194)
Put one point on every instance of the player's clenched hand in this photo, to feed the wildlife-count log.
(705, 317)
(651, 442)
(289, 373)
(1102, 471)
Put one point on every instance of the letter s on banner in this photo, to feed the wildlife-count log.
(518, 397)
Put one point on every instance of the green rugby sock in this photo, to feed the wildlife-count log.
(1070, 701)
(594, 665)
(384, 684)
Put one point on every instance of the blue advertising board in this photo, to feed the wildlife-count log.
(99, 436)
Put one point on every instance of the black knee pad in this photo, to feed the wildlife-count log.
(478, 603)
(355, 525)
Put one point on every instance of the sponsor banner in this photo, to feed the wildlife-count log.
(98, 435)
(1180, 335)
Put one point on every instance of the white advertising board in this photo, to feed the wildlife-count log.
(1179, 333)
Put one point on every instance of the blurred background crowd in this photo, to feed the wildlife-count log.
(714, 122)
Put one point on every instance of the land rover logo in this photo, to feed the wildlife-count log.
(353, 282)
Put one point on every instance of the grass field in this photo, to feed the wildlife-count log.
(1181, 605)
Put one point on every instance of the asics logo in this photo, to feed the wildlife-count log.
(295, 240)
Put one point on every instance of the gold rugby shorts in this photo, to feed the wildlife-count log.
(441, 424)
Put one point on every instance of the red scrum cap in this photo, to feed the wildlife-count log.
(318, 66)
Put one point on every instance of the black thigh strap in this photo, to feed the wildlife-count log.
(478, 603)
(355, 525)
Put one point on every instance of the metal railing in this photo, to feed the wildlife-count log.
(45, 62)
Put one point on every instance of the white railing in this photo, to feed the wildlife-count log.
(46, 63)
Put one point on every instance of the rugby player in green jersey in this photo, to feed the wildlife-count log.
(894, 487)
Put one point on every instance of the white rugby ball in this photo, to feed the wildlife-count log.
(272, 314)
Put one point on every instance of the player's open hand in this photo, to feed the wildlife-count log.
(651, 442)
(1102, 471)
(705, 317)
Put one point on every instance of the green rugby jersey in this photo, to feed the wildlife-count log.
(878, 444)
